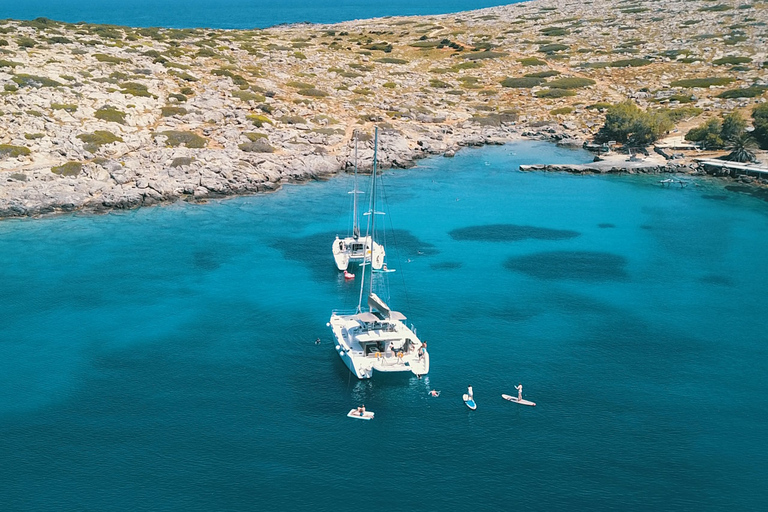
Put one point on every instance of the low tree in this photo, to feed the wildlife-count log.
(733, 127)
(707, 135)
(760, 122)
(627, 123)
(719, 134)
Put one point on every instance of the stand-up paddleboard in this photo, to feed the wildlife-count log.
(520, 401)
(354, 413)
(470, 401)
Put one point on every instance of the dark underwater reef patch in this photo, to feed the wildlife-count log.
(575, 265)
(446, 265)
(715, 197)
(510, 233)
(717, 279)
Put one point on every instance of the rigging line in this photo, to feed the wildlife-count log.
(400, 266)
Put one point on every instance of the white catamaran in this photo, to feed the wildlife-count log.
(376, 339)
(354, 248)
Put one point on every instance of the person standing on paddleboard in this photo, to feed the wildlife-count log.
(519, 389)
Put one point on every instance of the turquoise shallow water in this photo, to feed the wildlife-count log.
(164, 358)
(227, 13)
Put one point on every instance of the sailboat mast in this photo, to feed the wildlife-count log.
(373, 203)
(355, 225)
(368, 260)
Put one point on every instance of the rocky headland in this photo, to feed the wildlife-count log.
(97, 117)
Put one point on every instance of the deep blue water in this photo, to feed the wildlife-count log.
(164, 358)
(228, 13)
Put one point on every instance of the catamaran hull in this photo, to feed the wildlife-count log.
(364, 367)
(350, 250)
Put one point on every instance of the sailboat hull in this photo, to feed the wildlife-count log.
(357, 250)
(384, 345)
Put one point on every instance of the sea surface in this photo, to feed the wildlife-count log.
(241, 14)
(165, 358)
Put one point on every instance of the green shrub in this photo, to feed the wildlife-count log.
(601, 105)
(391, 60)
(630, 63)
(257, 146)
(487, 54)
(425, 44)
(136, 89)
(702, 82)
(531, 61)
(34, 81)
(258, 120)
(248, 96)
(254, 136)
(678, 114)
(731, 60)
(471, 64)
(187, 91)
(525, 82)
(9, 64)
(439, 84)
(110, 59)
(381, 47)
(716, 8)
(13, 151)
(93, 141)
(570, 83)
(317, 93)
(293, 120)
(236, 79)
(389, 85)
(34, 136)
(552, 48)
(176, 138)
(68, 169)
(26, 42)
(553, 31)
(543, 74)
(746, 92)
(554, 93)
(178, 97)
(170, 111)
(67, 107)
(561, 111)
(110, 114)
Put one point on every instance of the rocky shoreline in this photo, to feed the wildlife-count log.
(96, 117)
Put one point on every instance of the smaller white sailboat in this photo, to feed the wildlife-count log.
(357, 249)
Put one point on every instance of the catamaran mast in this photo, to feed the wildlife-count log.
(355, 224)
(368, 258)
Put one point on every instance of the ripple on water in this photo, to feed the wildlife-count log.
(510, 233)
(578, 265)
